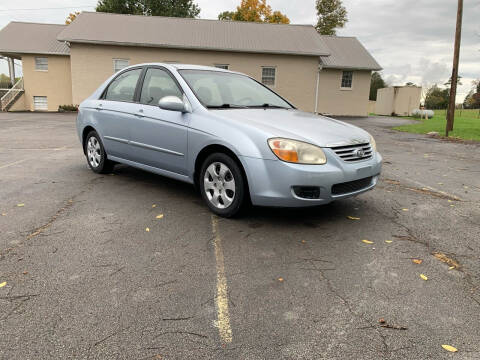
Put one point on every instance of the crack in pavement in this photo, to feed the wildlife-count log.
(39, 230)
(347, 304)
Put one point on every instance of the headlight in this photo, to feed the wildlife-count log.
(373, 143)
(297, 151)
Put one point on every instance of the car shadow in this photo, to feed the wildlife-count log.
(252, 216)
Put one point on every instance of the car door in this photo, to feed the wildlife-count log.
(115, 113)
(159, 136)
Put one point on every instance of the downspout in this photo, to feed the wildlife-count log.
(316, 88)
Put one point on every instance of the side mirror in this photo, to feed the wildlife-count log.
(172, 103)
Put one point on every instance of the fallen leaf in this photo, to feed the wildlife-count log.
(404, 209)
(303, 241)
(440, 183)
(280, 279)
(3, 284)
(25, 272)
(451, 268)
(423, 277)
(452, 205)
(381, 321)
(353, 218)
(147, 229)
(388, 241)
(449, 200)
(417, 261)
(20, 205)
(449, 348)
(160, 216)
(447, 260)
(4, 214)
(367, 241)
(154, 205)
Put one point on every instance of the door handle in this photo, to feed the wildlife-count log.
(99, 107)
(140, 113)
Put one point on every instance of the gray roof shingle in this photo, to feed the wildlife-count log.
(156, 31)
(116, 29)
(32, 38)
(347, 53)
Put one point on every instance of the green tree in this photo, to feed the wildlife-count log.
(376, 83)
(174, 8)
(256, 11)
(436, 98)
(331, 15)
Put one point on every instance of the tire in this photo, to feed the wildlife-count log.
(96, 155)
(222, 185)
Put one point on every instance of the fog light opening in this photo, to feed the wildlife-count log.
(307, 192)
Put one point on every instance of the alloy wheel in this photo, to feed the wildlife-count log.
(94, 152)
(219, 185)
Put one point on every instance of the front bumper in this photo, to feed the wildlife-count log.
(272, 182)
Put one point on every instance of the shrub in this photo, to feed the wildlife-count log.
(66, 108)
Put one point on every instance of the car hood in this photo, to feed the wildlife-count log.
(298, 125)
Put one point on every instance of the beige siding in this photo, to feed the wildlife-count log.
(384, 105)
(295, 77)
(407, 99)
(55, 84)
(336, 101)
(399, 100)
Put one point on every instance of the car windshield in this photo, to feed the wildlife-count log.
(224, 90)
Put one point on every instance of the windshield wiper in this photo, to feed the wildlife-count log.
(226, 106)
(266, 105)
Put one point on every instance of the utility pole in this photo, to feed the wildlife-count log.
(456, 56)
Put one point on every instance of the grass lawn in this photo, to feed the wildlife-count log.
(466, 125)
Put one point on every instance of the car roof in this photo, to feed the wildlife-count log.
(178, 66)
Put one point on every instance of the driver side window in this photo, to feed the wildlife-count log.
(158, 84)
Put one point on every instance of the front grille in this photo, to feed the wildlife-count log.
(351, 186)
(355, 152)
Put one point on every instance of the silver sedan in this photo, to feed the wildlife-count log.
(232, 137)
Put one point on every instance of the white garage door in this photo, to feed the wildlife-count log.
(40, 103)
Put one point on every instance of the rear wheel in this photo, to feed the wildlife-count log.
(96, 156)
(222, 185)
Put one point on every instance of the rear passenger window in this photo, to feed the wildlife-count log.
(122, 88)
(158, 84)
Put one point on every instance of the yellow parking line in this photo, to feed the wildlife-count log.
(223, 316)
(13, 163)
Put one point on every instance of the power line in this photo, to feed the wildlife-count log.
(55, 8)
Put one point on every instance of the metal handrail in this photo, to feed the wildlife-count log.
(11, 94)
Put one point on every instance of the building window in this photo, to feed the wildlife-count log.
(41, 64)
(40, 103)
(221, 66)
(268, 75)
(119, 64)
(347, 79)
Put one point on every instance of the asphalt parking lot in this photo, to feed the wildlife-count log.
(85, 280)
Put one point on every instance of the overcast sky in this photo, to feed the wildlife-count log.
(411, 39)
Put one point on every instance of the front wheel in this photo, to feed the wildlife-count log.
(96, 156)
(222, 185)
